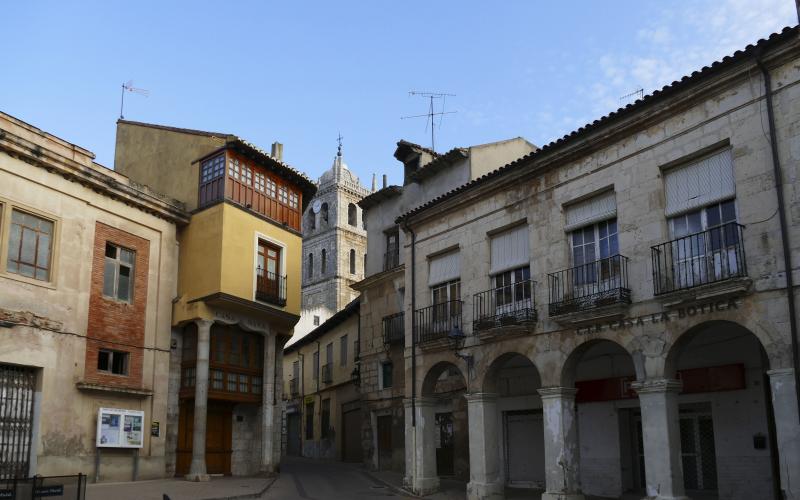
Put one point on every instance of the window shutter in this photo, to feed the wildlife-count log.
(595, 209)
(510, 249)
(444, 268)
(698, 184)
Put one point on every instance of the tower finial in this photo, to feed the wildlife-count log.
(339, 151)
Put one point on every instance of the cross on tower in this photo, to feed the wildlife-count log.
(339, 152)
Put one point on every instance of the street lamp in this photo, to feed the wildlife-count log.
(456, 339)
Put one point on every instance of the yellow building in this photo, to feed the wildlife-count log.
(238, 293)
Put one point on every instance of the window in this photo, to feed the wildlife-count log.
(189, 376)
(591, 248)
(217, 380)
(445, 297)
(386, 375)
(352, 261)
(235, 169)
(310, 421)
(311, 265)
(268, 269)
(294, 200)
(392, 258)
(323, 213)
(118, 273)
(312, 220)
(316, 320)
(296, 370)
(260, 184)
(115, 362)
(323, 262)
(255, 385)
(352, 215)
(316, 365)
(343, 351)
(325, 419)
(329, 354)
(212, 168)
(271, 188)
(29, 246)
(512, 287)
(283, 196)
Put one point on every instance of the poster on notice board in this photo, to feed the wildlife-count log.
(119, 428)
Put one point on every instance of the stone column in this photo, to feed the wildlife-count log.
(485, 481)
(278, 414)
(197, 470)
(421, 475)
(787, 428)
(658, 400)
(268, 407)
(562, 461)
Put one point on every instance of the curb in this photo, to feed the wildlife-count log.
(245, 496)
(392, 487)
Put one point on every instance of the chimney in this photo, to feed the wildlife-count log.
(384, 180)
(373, 183)
(277, 151)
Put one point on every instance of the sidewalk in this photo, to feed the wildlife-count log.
(219, 488)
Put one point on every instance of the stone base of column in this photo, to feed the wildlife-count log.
(662, 497)
(485, 491)
(269, 470)
(197, 477)
(425, 485)
(562, 496)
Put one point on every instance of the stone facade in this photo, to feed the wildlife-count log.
(55, 324)
(662, 387)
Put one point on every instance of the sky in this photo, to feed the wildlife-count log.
(301, 73)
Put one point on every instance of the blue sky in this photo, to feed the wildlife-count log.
(302, 72)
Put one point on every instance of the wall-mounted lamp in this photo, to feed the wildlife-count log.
(456, 338)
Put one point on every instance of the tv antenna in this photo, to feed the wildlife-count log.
(431, 114)
(638, 93)
(128, 87)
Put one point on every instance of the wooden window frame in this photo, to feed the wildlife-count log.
(112, 354)
(117, 264)
(50, 247)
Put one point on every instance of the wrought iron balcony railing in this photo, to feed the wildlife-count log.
(270, 287)
(394, 328)
(391, 258)
(588, 286)
(294, 387)
(710, 256)
(327, 373)
(512, 304)
(436, 321)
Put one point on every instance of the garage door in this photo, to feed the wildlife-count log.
(524, 449)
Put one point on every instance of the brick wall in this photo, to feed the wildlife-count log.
(113, 324)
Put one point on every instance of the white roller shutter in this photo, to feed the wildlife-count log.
(510, 250)
(594, 209)
(699, 184)
(444, 268)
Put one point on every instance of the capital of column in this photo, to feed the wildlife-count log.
(481, 397)
(781, 372)
(204, 323)
(660, 385)
(557, 392)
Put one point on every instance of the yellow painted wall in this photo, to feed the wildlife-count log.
(217, 254)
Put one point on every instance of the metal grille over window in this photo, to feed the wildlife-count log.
(597, 208)
(700, 183)
(212, 168)
(17, 385)
(29, 246)
(444, 268)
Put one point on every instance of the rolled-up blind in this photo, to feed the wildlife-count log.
(597, 208)
(444, 268)
(700, 183)
(510, 250)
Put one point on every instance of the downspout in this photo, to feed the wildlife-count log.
(787, 257)
(413, 327)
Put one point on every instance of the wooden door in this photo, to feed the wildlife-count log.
(351, 439)
(385, 442)
(293, 434)
(218, 438)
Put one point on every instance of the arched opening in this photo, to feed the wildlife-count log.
(323, 262)
(311, 219)
(310, 269)
(520, 427)
(352, 261)
(352, 215)
(445, 385)
(725, 412)
(323, 214)
(607, 413)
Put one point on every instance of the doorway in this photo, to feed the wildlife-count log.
(445, 444)
(293, 445)
(524, 433)
(351, 439)
(385, 442)
(218, 438)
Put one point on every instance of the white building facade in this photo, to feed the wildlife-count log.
(610, 315)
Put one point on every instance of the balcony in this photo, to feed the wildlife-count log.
(327, 373)
(394, 329)
(294, 387)
(391, 259)
(508, 305)
(589, 287)
(435, 322)
(712, 256)
(270, 287)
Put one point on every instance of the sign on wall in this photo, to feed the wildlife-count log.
(117, 428)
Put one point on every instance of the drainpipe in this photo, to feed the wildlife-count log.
(787, 256)
(413, 327)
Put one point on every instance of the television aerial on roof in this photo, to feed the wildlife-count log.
(128, 87)
(431, 114)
